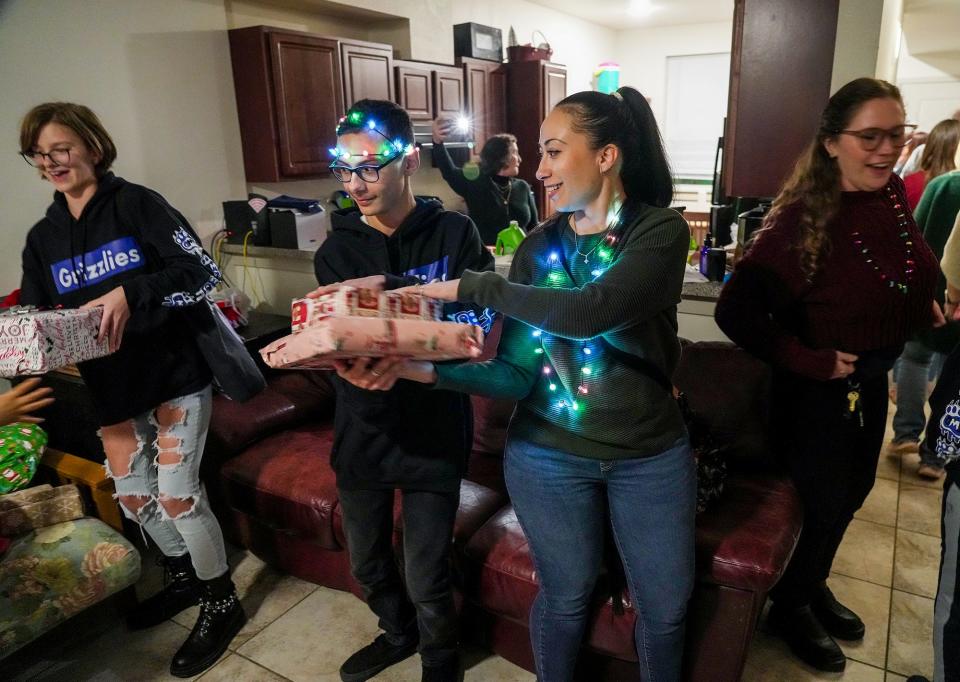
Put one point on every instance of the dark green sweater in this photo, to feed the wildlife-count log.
(935, 215)
(486, 203)
(549, 352)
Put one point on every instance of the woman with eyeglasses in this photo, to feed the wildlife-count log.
(828, 292)
(110, 243)
(496, 195)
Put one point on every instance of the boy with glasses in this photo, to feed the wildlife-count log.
(382, 441)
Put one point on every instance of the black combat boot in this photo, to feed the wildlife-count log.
(181, 590)
(221, 617)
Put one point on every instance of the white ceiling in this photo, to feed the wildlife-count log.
(616, 14)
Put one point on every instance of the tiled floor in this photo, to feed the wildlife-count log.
(886, 571)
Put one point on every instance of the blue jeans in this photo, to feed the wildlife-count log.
(561, 500)
(154, 461)
(914, 369)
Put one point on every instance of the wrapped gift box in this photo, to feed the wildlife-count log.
(350, 337)
(34, 508)
(352, 302)
(36, 342)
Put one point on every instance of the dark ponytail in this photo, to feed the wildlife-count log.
(625, 120)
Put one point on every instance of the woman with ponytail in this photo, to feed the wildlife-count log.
(588, 347)
(828, 292)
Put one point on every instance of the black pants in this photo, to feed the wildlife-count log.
(427, 602)
(832, 460)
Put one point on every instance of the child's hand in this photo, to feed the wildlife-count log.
(24, 398)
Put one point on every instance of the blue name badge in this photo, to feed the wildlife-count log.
(97, 265)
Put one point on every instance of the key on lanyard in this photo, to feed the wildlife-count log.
(854, 407)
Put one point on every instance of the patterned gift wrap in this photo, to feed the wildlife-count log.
(36, 342)
(21, 446)
(353, 302)
(351, 337)
(31, 512)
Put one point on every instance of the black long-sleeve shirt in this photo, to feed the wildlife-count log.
(490, 207)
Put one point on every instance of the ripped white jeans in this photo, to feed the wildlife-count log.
(154, 461)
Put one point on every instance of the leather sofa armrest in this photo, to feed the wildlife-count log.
(290, 399)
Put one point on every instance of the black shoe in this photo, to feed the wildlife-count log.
(221, 617)
(917, 678)
(181, 590)
(449, 671)
(376, 656)
(807, 638)
(836, 618)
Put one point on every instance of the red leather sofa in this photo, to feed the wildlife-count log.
(269, 478)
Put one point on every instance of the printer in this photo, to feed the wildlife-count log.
(291, 229)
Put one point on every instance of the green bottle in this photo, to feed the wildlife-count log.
(509, 238)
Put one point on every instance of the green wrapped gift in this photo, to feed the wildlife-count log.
(21, 446)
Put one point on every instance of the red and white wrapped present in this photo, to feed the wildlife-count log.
(38, 341)
(336, 338)
(352, 302)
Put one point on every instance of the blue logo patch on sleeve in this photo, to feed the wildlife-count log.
(97, 265)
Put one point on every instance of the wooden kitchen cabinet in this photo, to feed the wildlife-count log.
(291, 88)
(780, 70)
(485, 87)
(414, 82)
(289, 97)
(535, 87)
(449, 98)
(427, 90)
(367, 71)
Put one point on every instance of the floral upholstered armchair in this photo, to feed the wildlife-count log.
(58, 562)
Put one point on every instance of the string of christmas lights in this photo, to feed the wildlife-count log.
(558, 277)
(390, 148)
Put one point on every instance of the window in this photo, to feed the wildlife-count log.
(697, 89)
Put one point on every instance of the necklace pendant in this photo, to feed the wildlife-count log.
(585, 257)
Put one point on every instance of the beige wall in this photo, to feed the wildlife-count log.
(643, 55)
(157, 73)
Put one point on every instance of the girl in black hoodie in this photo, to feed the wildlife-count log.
(109, 243)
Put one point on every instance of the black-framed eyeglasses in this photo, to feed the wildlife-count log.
(366, 173)
(61, 157)
(870, 139)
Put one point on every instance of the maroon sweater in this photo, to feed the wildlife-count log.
(770, 309)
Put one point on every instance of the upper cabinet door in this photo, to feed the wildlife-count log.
(367, 71)
(554, 86)
(477, 97)
(308, 101)
(414, 90)
(781, 67)
(448, 95)
(497, 99)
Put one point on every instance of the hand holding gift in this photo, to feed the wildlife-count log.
(38, 341)
(347, 322)
(443, 291)
(116, 312)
